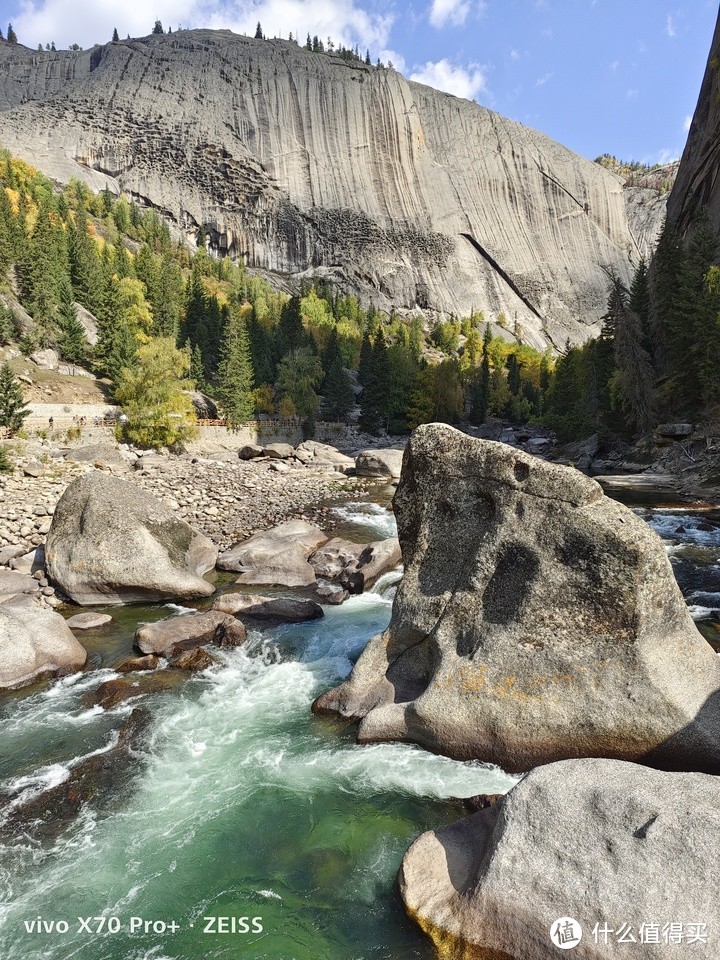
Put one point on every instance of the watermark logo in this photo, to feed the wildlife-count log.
(566, 933)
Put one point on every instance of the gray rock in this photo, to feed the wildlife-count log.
(88, 621)
(48, 359)
(250, 451)
(33, 468)
(12, 583)
(96, 452)
(331, 593)
(676, 431)
(111, 542)
(35, 642)
(89, 324)
(536, 620)
(535, 249)
(277, 556)
(379, 463)
(279, 451)
(280, 609)
(310, 451)
(29, 563)
(603, 842)
(10, 553)
(170, 637)
(356, 566)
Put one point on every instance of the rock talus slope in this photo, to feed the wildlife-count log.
(303, 162)
(537, 620)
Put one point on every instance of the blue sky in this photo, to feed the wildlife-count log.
(616, 76)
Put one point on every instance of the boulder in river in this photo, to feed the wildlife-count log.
(603, 843)
(34, 643)
(277, 609)
(171, 636)
(537, 620)
(278, 556)
(356, 566)
(383, 464)
(111, 542)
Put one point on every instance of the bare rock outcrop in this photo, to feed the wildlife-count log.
(35, 643)
(299, 162)
(697, 184)
(537, 620)
(111, 542)
(609, 845)
(176, 635)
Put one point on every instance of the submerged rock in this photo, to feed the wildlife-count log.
(111, 542)
(172, 636)
(278, 556)
(537, 620)
(602, 842)
(34, 643)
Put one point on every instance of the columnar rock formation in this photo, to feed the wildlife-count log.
(537, 620)
(297, 161)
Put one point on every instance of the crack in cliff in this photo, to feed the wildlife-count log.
(508, 280)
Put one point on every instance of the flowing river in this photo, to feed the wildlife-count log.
(241, 804)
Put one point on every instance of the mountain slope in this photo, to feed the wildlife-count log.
(303, 162)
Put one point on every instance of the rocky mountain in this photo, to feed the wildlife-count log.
(698, 180)
(305, 164)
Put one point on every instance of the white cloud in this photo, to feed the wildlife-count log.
(446, 76)
(614, 65)
(632, 93)
(541, 81)
(92, 21)
(667, 156)
(686, 123)
(515, 54)
(670, 26)
(443, 12)
(394, 58)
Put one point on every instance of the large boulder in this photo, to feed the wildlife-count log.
(34, 643)
(382, 464)
(356, 566)
(537, 620)
(111, 542)
(610, 845)
(278, 556)
(169, 637)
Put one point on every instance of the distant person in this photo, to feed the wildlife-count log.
(51, 422)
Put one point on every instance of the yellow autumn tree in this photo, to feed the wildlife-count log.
(155, 396)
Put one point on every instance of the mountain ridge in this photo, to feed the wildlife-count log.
(304, 164)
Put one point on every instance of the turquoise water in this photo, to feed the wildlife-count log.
(242, 804)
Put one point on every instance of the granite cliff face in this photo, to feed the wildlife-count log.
(302, 162)
(698, 180)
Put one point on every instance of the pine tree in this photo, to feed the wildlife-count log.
(480, 388)
(663, 282)
(376, 392)
(634, 377)
(11, 35)
(72, 340)
(308, 43)
(259, 32)
(115, 36)
(12, 406)
(158, 28)
(640, 302)
(367, 58)
(336, 388)
(235, 373)
(291, 333)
